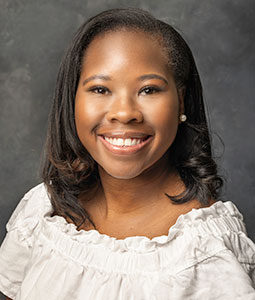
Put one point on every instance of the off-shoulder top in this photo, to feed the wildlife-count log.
(206, 255)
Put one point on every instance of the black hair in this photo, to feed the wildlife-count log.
(68, 169)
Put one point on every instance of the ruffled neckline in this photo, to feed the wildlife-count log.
(140, 244)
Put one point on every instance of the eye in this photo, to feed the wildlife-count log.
(149, 90)
(99, 90)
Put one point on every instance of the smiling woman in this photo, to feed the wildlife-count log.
(141, 103)
(130, 205)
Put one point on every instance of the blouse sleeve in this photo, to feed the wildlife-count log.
(243, 249)
(230, 273)
(16, 248)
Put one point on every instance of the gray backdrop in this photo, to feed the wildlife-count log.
(34, 35)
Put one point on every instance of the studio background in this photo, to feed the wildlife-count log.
(33, 37)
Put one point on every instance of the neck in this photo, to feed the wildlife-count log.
(122, 198)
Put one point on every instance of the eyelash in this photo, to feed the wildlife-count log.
(152, 89)
(95, 89)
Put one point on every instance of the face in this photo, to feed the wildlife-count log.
(127, 92)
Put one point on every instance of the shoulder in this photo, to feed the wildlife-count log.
(33, 205)
(215, 240)
(224, 223)
(23, 228)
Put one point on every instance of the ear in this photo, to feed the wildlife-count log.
(181, 95)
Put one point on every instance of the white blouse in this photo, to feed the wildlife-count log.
(206, 255)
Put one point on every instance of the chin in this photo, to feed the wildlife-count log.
(123, 174)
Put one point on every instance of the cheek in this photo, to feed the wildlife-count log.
(165, 119)
(86, 118)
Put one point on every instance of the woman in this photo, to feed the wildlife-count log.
(129, 206)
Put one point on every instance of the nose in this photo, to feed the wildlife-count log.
(124, 110)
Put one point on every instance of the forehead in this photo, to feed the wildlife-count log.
(126, 46)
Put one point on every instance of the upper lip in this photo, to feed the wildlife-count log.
(125, 135)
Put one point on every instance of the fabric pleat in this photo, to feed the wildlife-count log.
(206, 255)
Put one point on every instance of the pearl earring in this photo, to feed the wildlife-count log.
(183, 118)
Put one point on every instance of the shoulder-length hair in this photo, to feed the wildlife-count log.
(67, 167)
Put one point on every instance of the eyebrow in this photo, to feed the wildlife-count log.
(141, 78)
(103, 77)
(152, 76)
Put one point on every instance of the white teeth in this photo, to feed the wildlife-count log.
(120, 142)
(123, 142)
(133, 142)
(128, 142)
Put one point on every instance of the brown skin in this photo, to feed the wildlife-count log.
(133, 186)
(131, 201)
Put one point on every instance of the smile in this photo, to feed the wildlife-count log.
(125, 146)
(123, 142)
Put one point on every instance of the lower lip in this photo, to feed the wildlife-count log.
(122, 150)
